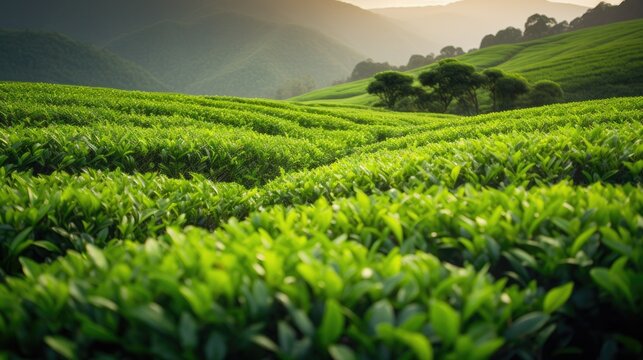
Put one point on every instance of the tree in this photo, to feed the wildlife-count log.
(560, 28)
(450, 51)
(451, 80)
(508, 89)
(391, 86)
(470, 95)
(538, 26)
(487, 41)
(509, 35)
(427, 101)
(368, 68)
(493, 75)
(416, 61)
(545, 92)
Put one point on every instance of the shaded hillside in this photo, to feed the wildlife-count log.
(463, 23)
(96, 21)
(100, 21)
(232, 54)
(52, 58)
(598, 62)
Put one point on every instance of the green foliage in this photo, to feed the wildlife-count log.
(509, 35)
(545, 92)
(44, 216)
(391, 87)
(450, 80)
(508, 88)
(359, 234)
(539, 25)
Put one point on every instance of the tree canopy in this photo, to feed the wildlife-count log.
(538, 26)
(452, 79)
(509, 35)
(545, 92)
(391, 86)
(368, 68)
(508, 89)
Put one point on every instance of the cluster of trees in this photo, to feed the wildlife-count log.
(606, 13)
(539, 25)
(455, 85)
(368, 68)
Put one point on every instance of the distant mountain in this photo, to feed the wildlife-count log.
(368, 33)
(465, 22)
(231, 54)
(100, 21)
(52, 58)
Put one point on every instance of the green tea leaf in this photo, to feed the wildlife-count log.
(215, 347)
(394, 225)
(62, 346)
(97, 257)
(557, 297)
(445, 321)
(332, 324)
(526, 325)
(341, 352)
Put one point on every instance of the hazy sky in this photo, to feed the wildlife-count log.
(394, 3)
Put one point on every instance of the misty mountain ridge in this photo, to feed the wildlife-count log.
(232, 54)
(463, 23)
(101, 21)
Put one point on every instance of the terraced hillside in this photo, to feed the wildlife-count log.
(155, 225)
(594, 63)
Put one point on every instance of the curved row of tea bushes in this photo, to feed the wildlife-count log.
(223, 155)
(503, 161)
(611, 153)
(42, 217)
(542, 119)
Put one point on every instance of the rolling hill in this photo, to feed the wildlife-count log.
(52, 58)
(148, 225)
(599, 62)
(231, 54)
(464, 23)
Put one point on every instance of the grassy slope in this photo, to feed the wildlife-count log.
(45, 57)
(599, 62)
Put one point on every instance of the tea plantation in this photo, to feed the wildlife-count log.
(142, 225)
